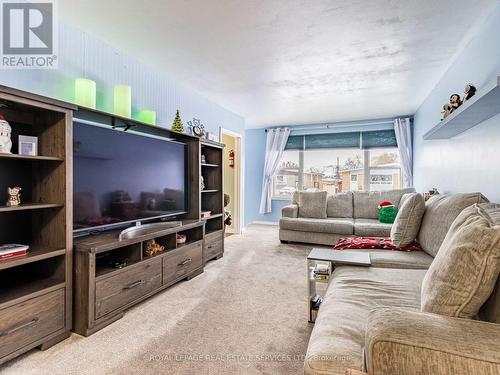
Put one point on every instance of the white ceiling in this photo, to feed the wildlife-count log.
(291, 61)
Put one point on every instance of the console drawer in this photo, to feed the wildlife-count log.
(132, 283)
(214, 236)
(31, 320)
(182, 261)
(212, 249)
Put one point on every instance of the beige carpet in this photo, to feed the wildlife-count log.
(246, 314)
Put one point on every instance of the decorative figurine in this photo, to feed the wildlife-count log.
(198, 128)
(14, 196)
(203, 159)
(387, 212)
(455, 101)
(202, 183)
(151, 248)
(5, 132)
(447, 110)
(469, 91)
(181, 239)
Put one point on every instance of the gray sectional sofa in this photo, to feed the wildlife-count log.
(347, 214)
(371, 317)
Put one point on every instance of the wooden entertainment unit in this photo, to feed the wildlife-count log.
(103, 292)
(48, 292)
(35, 289)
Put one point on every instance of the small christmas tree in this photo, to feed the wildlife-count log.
(177, 124)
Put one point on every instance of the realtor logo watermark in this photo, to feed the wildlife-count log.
(29, 35)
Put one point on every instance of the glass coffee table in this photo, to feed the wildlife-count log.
(321, 263)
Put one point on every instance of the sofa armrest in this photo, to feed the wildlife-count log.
(292, 210)
(408, 342)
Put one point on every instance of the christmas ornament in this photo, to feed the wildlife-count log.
(177, 124)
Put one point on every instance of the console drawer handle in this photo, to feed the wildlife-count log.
(133, 285)
(19, 327)
(188, 260)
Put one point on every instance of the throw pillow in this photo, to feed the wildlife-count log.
(408, 220)
(440, 212)
(339, 205)
(466, 267)
(312, 204)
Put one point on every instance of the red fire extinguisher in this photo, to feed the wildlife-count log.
(231, 158)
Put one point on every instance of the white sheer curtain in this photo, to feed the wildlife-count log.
(402, 128)
(275, 145)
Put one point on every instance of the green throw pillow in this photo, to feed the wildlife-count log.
(387, 214)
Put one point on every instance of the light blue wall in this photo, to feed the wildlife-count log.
(83, 56)
(470, 161)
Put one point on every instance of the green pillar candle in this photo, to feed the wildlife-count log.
(123, 101)
(85, 92)
(147, 116)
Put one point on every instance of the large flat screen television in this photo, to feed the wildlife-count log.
(121, 178)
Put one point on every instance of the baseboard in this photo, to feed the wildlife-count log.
(275, 223)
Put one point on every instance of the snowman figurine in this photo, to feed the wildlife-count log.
(5, 131)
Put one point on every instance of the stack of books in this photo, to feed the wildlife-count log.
(12, 250)
(321, 271)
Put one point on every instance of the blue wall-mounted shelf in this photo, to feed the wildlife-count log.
(482, 106)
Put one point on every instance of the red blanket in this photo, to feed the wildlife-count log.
(354, 242)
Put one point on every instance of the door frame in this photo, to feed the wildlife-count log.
(238, 176)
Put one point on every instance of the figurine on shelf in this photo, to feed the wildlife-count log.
(469, 91)
(203, 159)
(447, 110)
(151, 248)
(202, 183)
(5, 132)
(14, 196)
(181, 239)
(455, 101)
(228, 220)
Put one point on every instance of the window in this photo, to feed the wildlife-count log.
(286, 180)
(331, 170)
(339, 162)
(385, 169)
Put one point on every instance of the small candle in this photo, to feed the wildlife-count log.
(148, 116)
(123, 100)
(85, 92)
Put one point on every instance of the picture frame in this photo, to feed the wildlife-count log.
(28, 145)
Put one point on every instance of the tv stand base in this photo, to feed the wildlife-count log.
(56, 340)
(112, 275)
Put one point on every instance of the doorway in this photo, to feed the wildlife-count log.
(232, 177)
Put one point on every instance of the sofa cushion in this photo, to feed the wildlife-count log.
(466, 268)
(371, 228)
(312, 204)
(398, 259)
(338, 335)
(330, 225)
(366, 203)
(440, 212)
(340, 205)
(407, 224)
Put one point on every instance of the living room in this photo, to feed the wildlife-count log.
(248, 187)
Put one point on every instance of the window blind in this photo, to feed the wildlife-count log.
(364, 140)
(379, 138)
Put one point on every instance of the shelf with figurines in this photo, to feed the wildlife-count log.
(460, 115)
